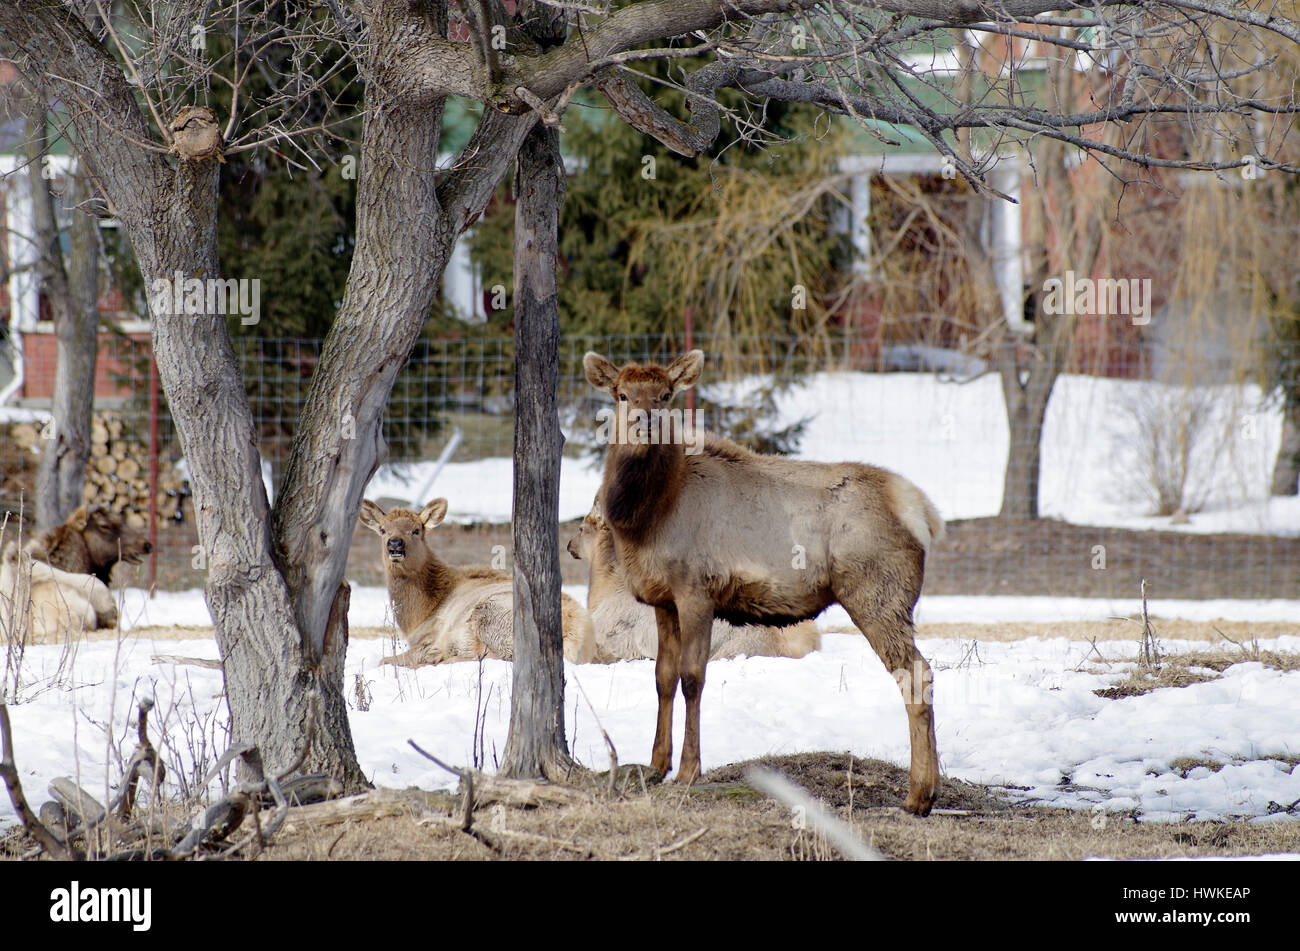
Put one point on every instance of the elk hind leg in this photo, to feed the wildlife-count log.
(891, 636)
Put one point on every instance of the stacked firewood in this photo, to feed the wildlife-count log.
(117, 476)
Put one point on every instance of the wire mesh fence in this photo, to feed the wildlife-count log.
(1137, 478)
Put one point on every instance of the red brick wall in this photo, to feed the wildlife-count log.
(117, 358)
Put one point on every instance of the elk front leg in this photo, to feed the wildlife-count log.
(695, 622)
(666, 673)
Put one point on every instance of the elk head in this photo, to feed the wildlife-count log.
(642, 396)
(402, 532)
(582, 546)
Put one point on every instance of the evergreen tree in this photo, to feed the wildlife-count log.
(646, 233)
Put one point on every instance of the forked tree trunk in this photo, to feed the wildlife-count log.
(1286, 471)
(270, 668)
(536, 745)
(72, 288)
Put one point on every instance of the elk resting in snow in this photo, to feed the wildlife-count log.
(38, 602)
(449, 613)
(626, 628)
(758, 540)
(91, 542)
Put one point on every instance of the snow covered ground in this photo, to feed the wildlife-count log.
(931, 431)
(1021, 714)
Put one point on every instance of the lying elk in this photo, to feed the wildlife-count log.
(626, 628)
(759, 540)
(40, 603)
(449, 613)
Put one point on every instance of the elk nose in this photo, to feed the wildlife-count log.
(570, 548)
(396, 546)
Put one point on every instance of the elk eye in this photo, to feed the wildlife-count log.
(665, 397)
(415, 531)
(623, 397)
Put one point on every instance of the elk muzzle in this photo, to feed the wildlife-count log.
(396, 549)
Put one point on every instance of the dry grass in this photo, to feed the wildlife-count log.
(1111, 630)
(665, 822)
(1144, 680)
(1193, 667)
(724, 818)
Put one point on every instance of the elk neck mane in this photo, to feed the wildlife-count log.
(413, 591)
(643, 487)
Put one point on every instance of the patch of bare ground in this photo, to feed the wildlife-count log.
(1144, 680)
(1193, 667)
(723, 818)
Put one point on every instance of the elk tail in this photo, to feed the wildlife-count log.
(915, 510)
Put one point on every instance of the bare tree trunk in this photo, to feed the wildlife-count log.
(1286, 471)
(537, 746)
(1026, 404)
(73, 292)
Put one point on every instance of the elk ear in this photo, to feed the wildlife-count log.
(684, 372)
(600, 372)
(77, 520)
(433, 513)
(371, 514)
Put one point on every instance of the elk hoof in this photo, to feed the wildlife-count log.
(920, 803)
(688, 775)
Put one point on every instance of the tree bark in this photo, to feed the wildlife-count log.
(271, 595)
(1026, 404)
(537, 745)
(72, 288)
(1286, 470)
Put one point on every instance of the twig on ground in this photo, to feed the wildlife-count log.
(609, 744)
(681, 843)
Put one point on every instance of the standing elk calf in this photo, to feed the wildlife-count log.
(626, 628)
(449, 613)
(759, 540)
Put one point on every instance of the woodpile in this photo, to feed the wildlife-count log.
(117, 476)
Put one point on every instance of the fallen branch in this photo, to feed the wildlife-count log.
(512, 792)
(82, 809)
(191, 661)
(33, 825)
